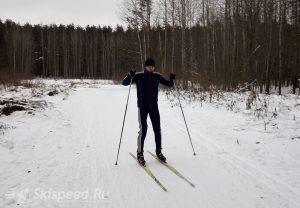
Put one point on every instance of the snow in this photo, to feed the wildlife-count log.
(243, 159)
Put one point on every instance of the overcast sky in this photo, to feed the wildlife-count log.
(79, 12)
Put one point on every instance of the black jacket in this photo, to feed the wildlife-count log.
(147, 87)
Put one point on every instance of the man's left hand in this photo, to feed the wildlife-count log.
(172, 76)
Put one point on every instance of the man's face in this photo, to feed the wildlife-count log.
(150, 68)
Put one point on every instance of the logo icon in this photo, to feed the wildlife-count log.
(21, 196)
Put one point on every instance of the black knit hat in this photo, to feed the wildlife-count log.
(149, 62)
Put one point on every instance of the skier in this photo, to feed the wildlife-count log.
(147, 91)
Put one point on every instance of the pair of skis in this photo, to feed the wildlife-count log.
(171, 168)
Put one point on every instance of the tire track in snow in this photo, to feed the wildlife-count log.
(91, 123)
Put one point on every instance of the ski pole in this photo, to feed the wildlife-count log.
(123, 122)
(184, 118)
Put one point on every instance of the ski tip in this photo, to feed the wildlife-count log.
(194, 154)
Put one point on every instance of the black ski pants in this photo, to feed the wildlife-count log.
(155, 119)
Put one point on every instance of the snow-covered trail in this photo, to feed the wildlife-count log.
(72, 146)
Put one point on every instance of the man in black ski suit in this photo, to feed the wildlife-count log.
(147, 91)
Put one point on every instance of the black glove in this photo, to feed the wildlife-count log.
(172, 76)
(131, 73)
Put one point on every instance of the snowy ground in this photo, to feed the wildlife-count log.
(245, 158)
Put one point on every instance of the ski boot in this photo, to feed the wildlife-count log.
(161, 157)
(140, 159)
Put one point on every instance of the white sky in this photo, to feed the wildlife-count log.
(79, 12)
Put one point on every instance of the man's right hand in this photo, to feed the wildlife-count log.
(132, 73)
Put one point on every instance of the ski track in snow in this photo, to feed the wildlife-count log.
(72, 146)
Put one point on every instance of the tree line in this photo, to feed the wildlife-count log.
(221, 43)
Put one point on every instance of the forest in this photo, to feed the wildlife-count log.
(207, 43)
